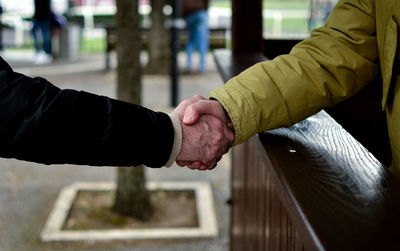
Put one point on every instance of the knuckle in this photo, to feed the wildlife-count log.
(218, 137)
(191, 109)
(184, 103)
(197, 96)
(218, 123)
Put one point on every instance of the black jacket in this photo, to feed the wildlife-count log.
(42, 123)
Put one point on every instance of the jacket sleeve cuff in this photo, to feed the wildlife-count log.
(176, 148)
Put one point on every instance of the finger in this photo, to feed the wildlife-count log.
(180, 109)
(213, 166)
(194, 99)
(229, 134)
(230, 124)
(198, 97)
(191, 115)
(180, 163)
(203, 168)
(210, 107)
(195, 165)
(225, 150)
(189, 164)
(209, 165)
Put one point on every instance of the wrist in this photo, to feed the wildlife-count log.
(177, 144)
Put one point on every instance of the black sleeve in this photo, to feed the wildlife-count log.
(42, 123)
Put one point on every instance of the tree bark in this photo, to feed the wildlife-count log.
(159, 40)
(131, 198)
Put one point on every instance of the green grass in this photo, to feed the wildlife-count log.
(286, 5)
(273, 5)
(221, 4)
(88, 46)
(288, 25)
(24, 47)
(93, 45)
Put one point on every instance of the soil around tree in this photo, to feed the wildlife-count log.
(91, 210)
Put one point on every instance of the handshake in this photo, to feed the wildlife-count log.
(207, 133)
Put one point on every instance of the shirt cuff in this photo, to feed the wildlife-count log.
(176, 148)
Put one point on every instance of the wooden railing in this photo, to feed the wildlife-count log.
(308, 187)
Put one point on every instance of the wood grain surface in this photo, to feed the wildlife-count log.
(338, 194)
(259, 221)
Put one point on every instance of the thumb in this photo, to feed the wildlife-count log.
(203, 107)
(192, 114)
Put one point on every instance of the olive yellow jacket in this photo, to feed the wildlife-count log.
(358, 42)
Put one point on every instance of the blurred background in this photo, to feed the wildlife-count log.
(87, 21)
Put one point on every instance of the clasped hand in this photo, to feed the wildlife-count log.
(207, 133)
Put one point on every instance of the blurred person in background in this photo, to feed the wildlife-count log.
(42, 25)
(196, 17)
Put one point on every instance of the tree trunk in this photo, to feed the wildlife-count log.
(131, 198)
(159, 40)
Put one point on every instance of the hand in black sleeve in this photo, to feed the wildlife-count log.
(42, 123)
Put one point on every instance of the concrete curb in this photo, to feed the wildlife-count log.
(205, 211)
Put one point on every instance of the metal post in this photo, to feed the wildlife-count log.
(174, 52)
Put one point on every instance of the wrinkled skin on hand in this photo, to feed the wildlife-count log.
(205, 141)
(207, 132)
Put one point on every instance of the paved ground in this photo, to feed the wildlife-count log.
(28, 190)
